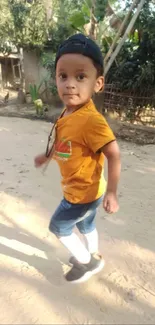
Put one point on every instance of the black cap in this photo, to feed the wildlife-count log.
(81, 44)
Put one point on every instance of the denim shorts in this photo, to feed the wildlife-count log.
(69, 215)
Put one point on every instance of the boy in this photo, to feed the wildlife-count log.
(83, 138)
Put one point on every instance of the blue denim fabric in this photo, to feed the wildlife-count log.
(69, 215)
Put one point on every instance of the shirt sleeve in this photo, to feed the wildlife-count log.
(97, 133)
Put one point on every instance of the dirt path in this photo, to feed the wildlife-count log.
(32, 288)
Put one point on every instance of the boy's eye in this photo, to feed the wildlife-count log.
(80, 77)
(63, 76)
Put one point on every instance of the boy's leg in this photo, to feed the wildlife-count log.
(62, 224)
(86, 226)
(92, 241)
(88, 229)
(76, 248)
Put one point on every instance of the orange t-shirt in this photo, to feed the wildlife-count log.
(79, 136)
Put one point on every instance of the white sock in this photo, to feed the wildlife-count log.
(92, 241)
(76, 248)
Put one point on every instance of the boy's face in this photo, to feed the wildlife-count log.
(76, 79)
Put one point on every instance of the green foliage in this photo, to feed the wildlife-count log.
(5, 27)
(30, 26)
(100, 9)
(48, 62)
(135, 67)
(34, 90)
(23, 24)
(79, 19)
(57, 34)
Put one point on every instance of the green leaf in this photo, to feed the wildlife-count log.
(33, 92)
(78, 19)
(85, 10)
(88, 3)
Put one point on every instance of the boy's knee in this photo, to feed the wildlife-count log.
(54, 229)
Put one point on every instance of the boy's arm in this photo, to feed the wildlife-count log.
(42, 159)
(98, 136)
(112, 153)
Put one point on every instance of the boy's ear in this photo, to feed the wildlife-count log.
(99, 86)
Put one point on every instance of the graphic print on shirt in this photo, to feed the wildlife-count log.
(63, 149)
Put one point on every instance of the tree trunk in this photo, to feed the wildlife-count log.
(92, 31)
(127, 32)
(120, 31)
(1, 79)
(21, 92)
(109, 10)
(48, 7)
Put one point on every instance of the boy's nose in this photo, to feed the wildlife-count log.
(70, 84)
(70, 87)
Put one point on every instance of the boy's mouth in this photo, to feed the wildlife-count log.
(70, 95)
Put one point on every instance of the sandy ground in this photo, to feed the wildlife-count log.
(32, 287)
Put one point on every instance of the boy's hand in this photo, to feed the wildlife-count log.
(110, 202)
(40, 160)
